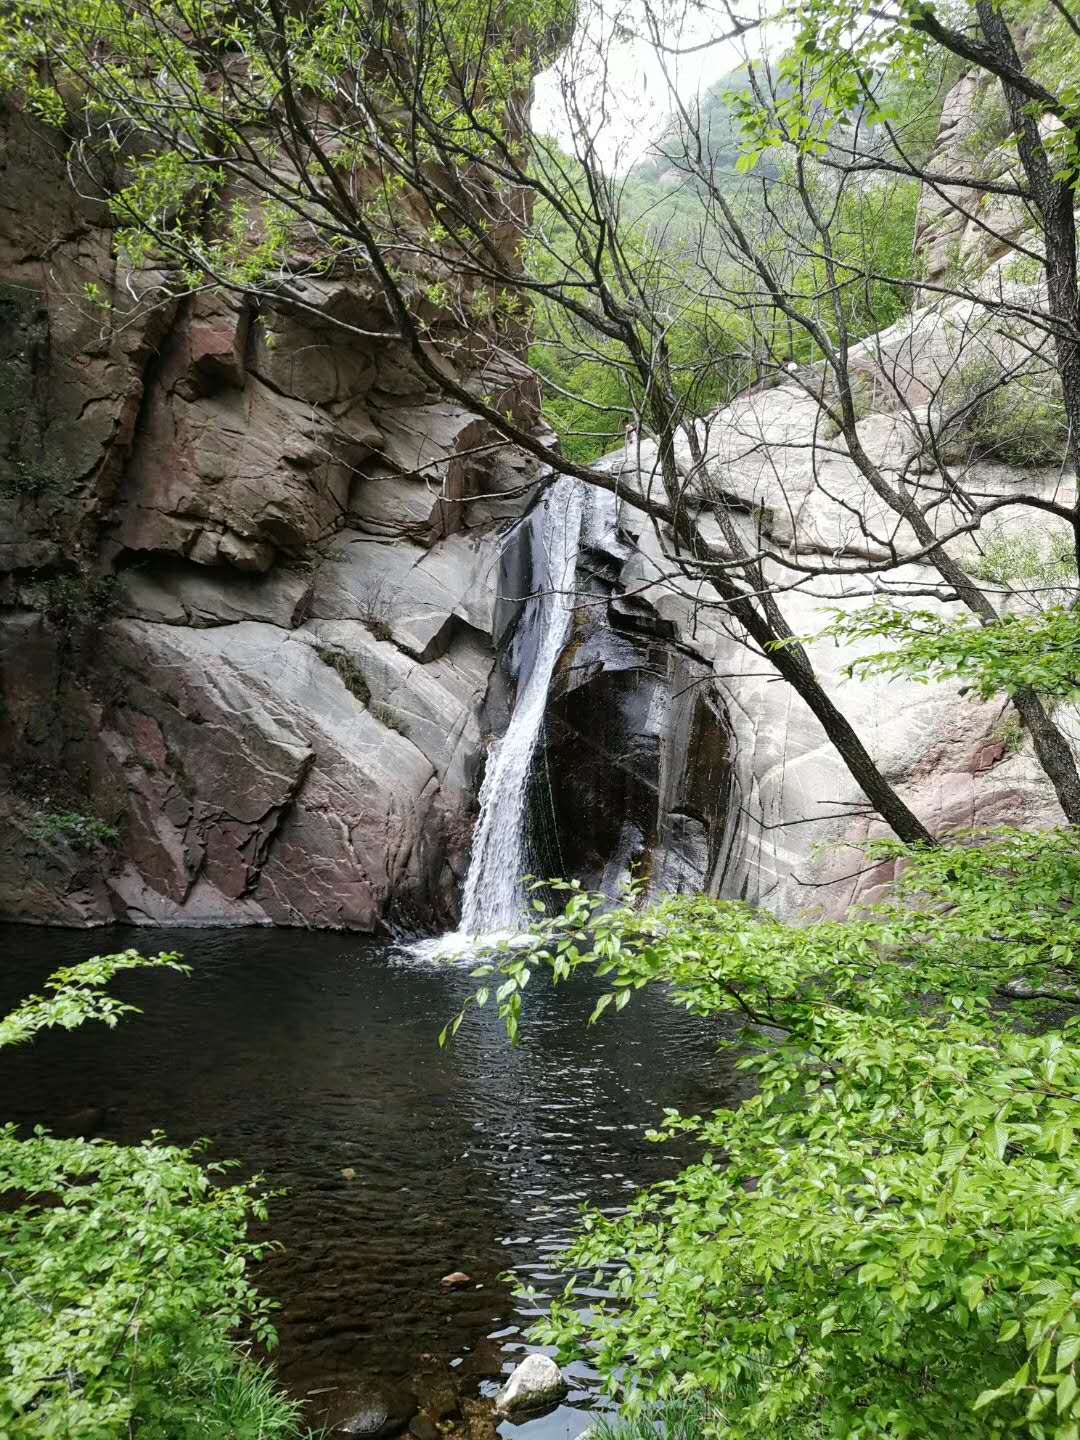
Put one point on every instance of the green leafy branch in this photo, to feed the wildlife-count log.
(1040, 651)
(79, 996)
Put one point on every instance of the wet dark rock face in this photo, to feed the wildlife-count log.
(634, 773)
(636, 767)
(601, 770)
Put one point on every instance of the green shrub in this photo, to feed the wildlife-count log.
(351, 675)
(74, 603)
(389, 718)
(862, 399)
(1008, 559)
(125, 1272)
(375, 606)
(1016, 417)
(81, 832)
(30, 479)
(1010, 731)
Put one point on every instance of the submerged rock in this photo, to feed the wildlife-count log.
(380, 1409)
(480, 1419)
(435, 1387)
(82, 1124)
(534, 1384)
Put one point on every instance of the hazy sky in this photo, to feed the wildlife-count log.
(635, 92)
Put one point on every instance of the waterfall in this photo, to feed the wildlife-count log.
(494, 899)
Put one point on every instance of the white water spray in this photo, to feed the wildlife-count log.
(494, 898)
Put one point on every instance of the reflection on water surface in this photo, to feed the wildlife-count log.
(306, 1055)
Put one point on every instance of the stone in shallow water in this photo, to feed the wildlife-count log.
(535, 1383)
(435, 1387)
(378, 1410)
(484, 1360)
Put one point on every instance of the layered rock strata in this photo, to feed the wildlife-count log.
(247, 569)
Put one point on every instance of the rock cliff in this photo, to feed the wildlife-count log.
(248, 637)
(260, 592)
(959, 762)
(247, 570)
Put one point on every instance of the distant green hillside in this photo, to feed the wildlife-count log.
(719, 129)
(716, 331)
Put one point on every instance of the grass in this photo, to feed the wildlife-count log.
(352, 676)
(388, 717)
(679, 1419)
(246, 1402)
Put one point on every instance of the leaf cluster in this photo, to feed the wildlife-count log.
(1039, 650)
(126, 1270)
(81, 832)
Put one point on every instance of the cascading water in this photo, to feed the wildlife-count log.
(494, 899)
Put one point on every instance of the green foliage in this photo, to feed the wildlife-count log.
(882, 1240)
(78, 995)
(836, 59)
(348, 668)
(78, 602)
(443, 88)
(126, 1277)
(162, 78)
(81, 832)
(718, 340)
(988, 127)
(1013, 415)
(1039, 650)
(1016, 560)
(1010, 731)
(126, 1271)
(593, 385)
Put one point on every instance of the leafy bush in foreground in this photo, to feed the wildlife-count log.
(125, 1272)
(885, 1239)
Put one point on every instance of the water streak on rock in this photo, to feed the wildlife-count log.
(494, 898)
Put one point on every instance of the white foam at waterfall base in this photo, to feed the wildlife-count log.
(494, 902)
(494, 908)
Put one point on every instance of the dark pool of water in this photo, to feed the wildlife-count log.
(304, 1055)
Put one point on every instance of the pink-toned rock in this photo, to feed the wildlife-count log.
(208, 457)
